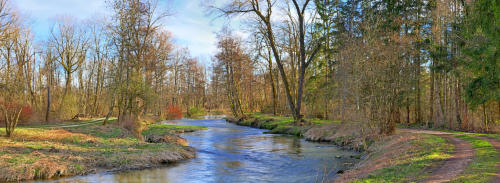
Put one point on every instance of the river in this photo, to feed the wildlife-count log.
(231, 153)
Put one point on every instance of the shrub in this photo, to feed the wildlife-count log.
(173, 112)
(12, 113)
(26, 113)
(133, 124)
(13, 108)
(195, 111)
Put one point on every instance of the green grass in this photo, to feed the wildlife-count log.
(278, 124)
(483, 166)
(289, 119)
(289, 129)
(162, 129)
(428, 151)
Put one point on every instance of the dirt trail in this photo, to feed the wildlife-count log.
(70, 125)
(456, 164)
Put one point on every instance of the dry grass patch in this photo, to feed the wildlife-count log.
(46, 153)
(358, 136)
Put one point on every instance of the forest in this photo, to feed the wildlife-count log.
(432, 64)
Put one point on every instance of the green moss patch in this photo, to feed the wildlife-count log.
(484, 164)
(163, 129)
(411, 163)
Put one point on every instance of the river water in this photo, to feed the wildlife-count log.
(231, 153)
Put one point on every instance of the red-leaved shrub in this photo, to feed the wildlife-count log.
(173, 112)
(26, 113)
(12, 109)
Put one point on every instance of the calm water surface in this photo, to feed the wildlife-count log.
(231, 153)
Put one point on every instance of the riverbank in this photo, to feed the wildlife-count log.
(353, 136)
(407, 156)
(79, 148)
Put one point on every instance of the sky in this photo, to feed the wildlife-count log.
(189, 23)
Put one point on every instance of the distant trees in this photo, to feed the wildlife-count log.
(146, 64)
(235, 65)
(128, 67)
(70, 45)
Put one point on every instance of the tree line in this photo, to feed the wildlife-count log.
(427, 62)
(125, 65)
(433, 63)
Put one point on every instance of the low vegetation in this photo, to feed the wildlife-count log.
(357, 136)
(484, 165)
(47, 151)
(404, 157)
(164, 129)
(280, 124)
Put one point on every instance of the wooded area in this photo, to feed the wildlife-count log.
(433, 63)
(429, 62)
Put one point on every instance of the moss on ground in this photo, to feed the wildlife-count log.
(410, 164)
(280, 124)
(164, 129)
(356, 136)
(47, 151)
(483, 167)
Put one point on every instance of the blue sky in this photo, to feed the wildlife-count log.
(189, 23)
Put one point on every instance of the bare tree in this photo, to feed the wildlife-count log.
(263, 10)
(70, 47)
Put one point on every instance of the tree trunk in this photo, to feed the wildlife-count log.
(281, 69)
(271, 76)
(47, 112)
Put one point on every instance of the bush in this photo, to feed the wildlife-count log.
(133, 124)
(13, 108)
(195, 111)
(173, 112)
(69, 107)
(26, 113)
(267, 109)
(12, 113)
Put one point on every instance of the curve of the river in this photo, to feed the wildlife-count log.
(231, 153)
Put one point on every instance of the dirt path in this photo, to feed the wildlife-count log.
(456, 164)
(71, 125)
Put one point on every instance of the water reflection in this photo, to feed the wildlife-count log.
(230, 153)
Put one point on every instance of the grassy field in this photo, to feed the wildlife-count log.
(46, 151)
